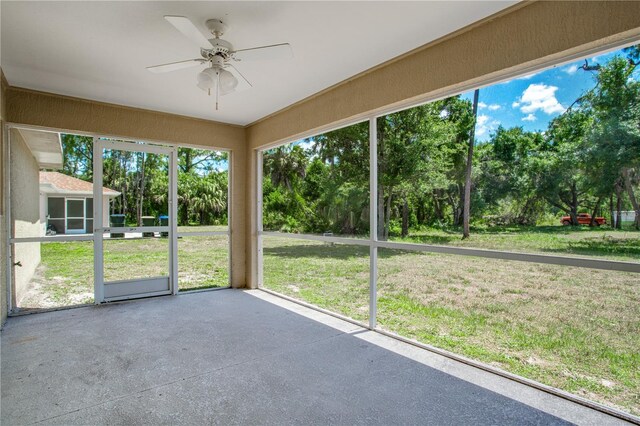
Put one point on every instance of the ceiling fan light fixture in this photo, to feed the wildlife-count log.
(228, 82)
(207, 79)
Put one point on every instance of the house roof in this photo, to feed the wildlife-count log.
(55, 182)
(45, 147)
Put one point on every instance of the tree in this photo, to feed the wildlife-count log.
(467, 181)
(285, 165)
(615, 134)
(505, 181)
(77, 154)
(560, 168)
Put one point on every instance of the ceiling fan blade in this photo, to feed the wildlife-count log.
(186, 27)
(243, 83)
(274, 51)
(176, 65)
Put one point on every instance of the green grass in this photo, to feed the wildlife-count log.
(573, 328)
(65, 274)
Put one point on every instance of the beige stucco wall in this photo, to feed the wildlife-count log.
(25, 214)
(66, 113)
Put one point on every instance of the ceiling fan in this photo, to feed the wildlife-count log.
(220, 77)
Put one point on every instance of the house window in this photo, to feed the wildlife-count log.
(70, 215)
(55, 214)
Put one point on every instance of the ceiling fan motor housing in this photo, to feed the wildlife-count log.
(216, 26)
(219, 47)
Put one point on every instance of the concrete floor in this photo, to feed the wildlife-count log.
(234, 357)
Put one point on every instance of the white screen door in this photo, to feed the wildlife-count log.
(135, 241)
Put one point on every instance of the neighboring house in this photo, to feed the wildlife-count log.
(66, 203)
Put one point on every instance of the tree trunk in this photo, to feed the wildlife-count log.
(574, 205)
(437, 207)
(388, 217)
(632, 197)
(595, 212)
(612, 217)
(405, 217)
(618, 207)
(467, 181)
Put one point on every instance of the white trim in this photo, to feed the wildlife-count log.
(131, 146)
(66, 216)
(6, 161)
(259, 259)
(125, 229)
(137, 296)
(173, 220)
(373, 222)
(98, 220)
(135, 280)
(580, 262)
(203, 234)
(338, 240)
(230, 210)
(52, 238)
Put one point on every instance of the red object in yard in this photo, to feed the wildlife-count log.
(583, 219)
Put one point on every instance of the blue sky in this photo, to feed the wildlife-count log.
(532, 100)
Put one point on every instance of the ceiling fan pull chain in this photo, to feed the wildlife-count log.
(217, 89)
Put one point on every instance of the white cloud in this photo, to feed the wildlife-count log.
(539, 97)
(530, 117)
(491, 107)
(571, 70)
(485, 125)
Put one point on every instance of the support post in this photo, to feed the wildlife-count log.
(173, 219)
(259, 259)
(373, 222)
(98, 224)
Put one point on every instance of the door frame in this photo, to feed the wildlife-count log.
(99, 145)
(11, 239)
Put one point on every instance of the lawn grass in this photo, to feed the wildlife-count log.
(572, 328)
(65, 274)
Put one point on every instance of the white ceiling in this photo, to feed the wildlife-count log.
(99, 50)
